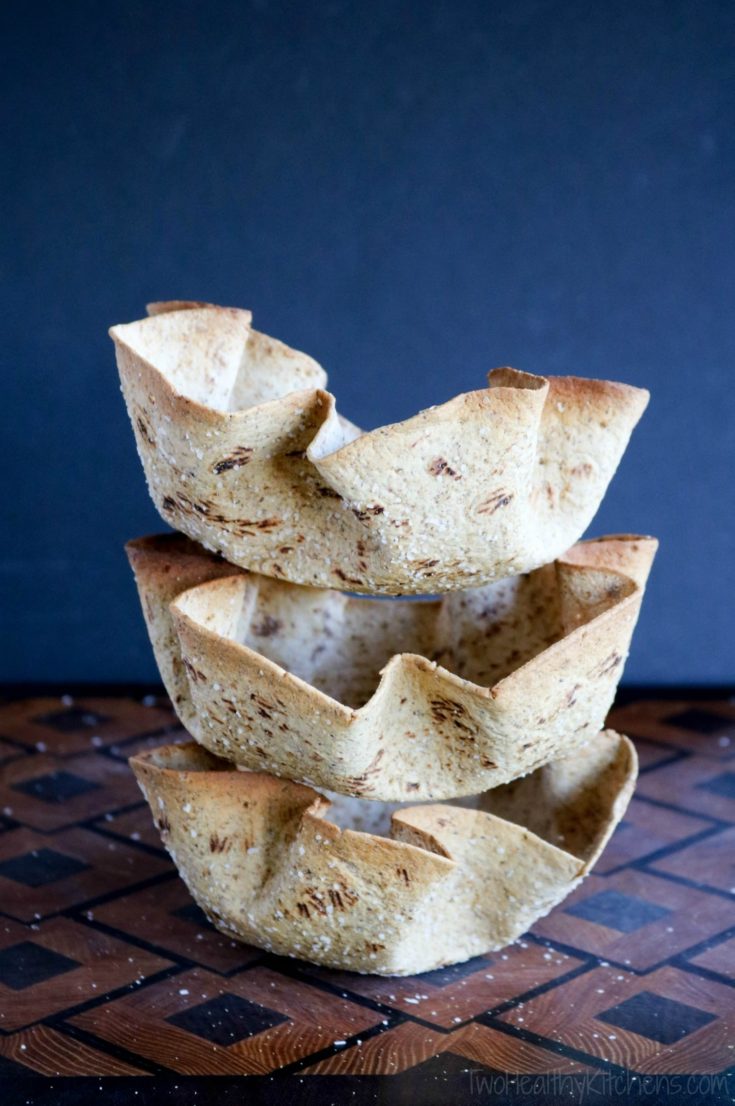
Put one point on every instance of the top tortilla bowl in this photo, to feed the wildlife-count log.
(244, 451)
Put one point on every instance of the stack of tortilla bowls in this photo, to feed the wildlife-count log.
(380, 785)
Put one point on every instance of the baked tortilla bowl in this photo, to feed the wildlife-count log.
(244, 451)
(264, 861)
(392, 700)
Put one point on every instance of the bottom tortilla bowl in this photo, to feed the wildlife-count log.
(450, 881)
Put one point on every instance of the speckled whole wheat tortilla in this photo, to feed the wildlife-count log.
(244, 451)
(450, 882)
(475, 690)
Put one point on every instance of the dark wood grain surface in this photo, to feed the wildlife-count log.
(108, 969)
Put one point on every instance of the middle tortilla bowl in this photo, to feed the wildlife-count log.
(475, 690)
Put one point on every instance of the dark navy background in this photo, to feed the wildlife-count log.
(410, 192)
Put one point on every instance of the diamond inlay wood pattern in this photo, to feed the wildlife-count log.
(109, 969)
